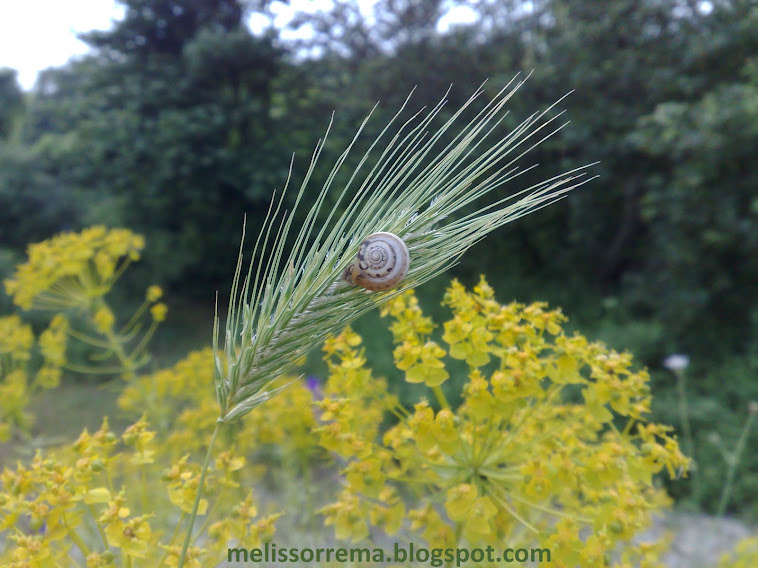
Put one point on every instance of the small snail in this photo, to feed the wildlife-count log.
(382, 262)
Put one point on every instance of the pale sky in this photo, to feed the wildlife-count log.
(37, 34)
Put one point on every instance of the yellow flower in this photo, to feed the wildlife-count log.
(104, 320)
(5, 432)
(430, 369)
(436, 531)
(460, 500)
(744, 555)
(98, 560)
(227, 462)
(98, 495)
(31, 551)
(476, 524)
(468, 339)
(263, 530)
(347, 516)
(138, 436)
(388, 511)
(116, 510)
(16, 338)
(193, 558)
(132, 536)
(154, 293)
(159, 311)
(52, 341)
(48, 377)
(182, 483)
(105, 265)
(366, 476)
(456, 330)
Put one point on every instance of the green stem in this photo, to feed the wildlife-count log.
(103, 537)
(74, 536)
(305, 471)
(134, 319)
(84, 338)
(734, 461)
(172, 539)
(441, 398)
(93, 370)
(145, 340)
(551, 511)
(118, 349)
(685, 419)
(126, 362)
(513, 512)
(628, 427)
(199, 494)
(144, 490)
(208, 515)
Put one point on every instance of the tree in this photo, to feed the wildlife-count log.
(175, 134)
(11, 101)
(699, 207)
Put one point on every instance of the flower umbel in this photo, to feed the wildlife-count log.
(532, 455)
(418, 182)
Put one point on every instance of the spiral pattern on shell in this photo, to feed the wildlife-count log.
(381, 264)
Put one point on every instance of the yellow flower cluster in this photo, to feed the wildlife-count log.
(76, 271)
(420, 358)
(744, 555)
(176, 401)
(108, 499)
(71, 269)
(284, 422)
(16, 339)
(18, 378)
(164, 394)
(352, 412)
(548, 447)
(533, 455)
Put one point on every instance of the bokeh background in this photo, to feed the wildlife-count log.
(184, 115)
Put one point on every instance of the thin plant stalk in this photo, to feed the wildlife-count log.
(199, 494)
(441, 398)
(734, 460)
(684, 417)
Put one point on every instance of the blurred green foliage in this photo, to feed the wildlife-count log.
(181, 120)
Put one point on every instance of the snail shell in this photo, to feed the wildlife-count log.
(382, 262)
